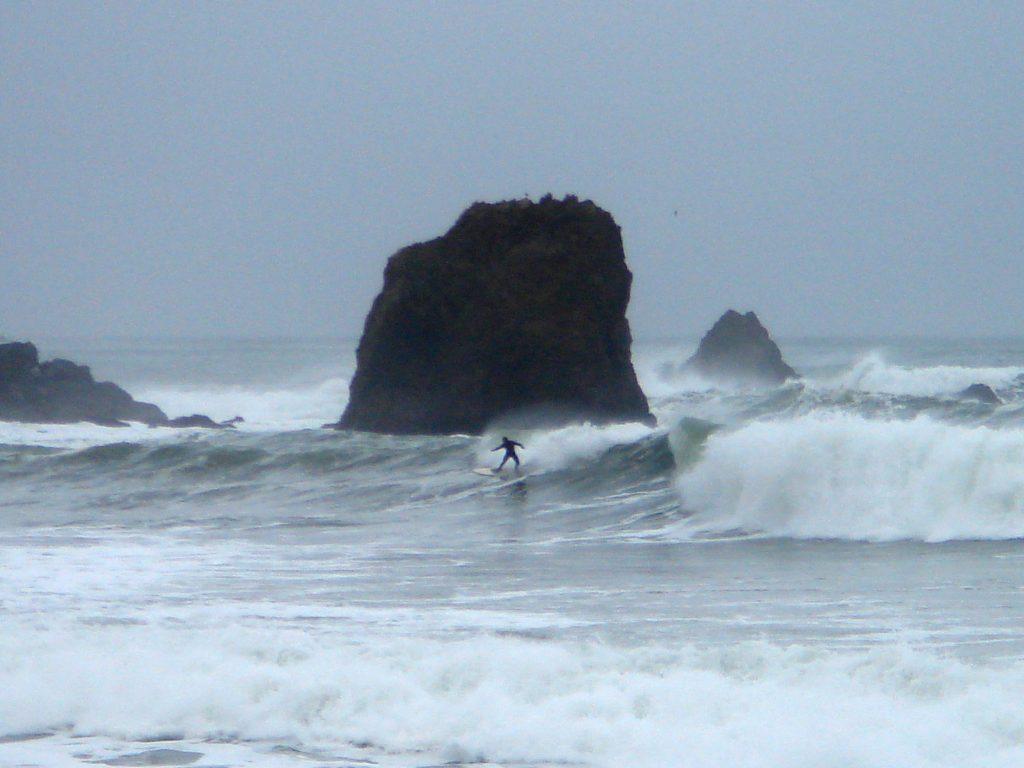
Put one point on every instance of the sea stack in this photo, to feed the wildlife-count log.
(738, 349)
(518, 312)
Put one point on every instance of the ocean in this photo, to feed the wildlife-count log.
(825, 575)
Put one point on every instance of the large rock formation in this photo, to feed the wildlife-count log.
(738, 349)
(518, 311)
(61, 391)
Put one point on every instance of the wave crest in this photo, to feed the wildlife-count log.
(873, 374)
(847, 477)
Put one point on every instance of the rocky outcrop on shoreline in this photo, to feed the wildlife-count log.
(518, 312)
(60, 391)
(738, 349)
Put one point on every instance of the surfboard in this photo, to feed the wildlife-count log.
(505, 474)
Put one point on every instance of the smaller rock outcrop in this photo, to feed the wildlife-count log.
(61, 392)
(982, 393)
(203, 421)
(738, 349)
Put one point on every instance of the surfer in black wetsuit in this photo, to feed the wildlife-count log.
(510, 452)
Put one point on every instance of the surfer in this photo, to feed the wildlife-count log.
(510, 452)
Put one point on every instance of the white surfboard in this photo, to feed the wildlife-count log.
(505, 474)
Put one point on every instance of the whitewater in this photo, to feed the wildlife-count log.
(828, 574)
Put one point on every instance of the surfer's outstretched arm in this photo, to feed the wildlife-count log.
(519, 444)
(497, 449)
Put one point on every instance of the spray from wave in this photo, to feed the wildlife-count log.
(873, 374)
(848, 477)
(300, 407)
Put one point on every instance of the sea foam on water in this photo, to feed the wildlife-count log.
(507, 700)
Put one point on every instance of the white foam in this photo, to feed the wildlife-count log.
(873, 374)
(555, 449)
(659, 368)
(496, 699)
(668, 383)
(76, 436)
(847, 477)
(299, 407)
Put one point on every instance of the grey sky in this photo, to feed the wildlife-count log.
(227, 169)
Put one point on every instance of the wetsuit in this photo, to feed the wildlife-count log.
(510, 451)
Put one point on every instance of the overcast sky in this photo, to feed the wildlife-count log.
(179, 169)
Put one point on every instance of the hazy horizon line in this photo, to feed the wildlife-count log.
(8, 338)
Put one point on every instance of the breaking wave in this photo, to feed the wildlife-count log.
(508, 700)
(873, 374)
(847, 477)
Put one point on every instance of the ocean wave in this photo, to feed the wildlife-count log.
(873, 374)
(847, 477)
(223, 452)
(75, 436)
(605, 474)
(509, 700)
(315, 451)
(556, 449)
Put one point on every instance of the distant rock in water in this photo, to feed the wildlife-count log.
(60, 391)
(739, 349)
(518, 311)
(983, 393)
(199, 420)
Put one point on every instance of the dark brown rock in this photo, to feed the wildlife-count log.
(19, 360)
(983, 393)
(201, 420)
(518, 311)
(61, 391)
(738, 349)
